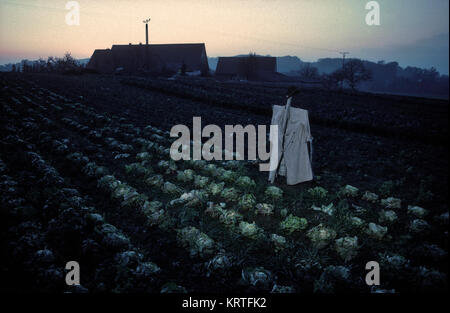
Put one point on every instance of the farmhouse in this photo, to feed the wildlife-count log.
(249, 67)
(150, 58)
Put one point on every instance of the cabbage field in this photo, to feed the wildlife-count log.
(86, 175)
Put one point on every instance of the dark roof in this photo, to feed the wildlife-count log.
(155, 57)
(236, 65)
(101, 60)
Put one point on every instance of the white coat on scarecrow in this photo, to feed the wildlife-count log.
(293, 156)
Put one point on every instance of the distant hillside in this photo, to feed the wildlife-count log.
(84, 61)
(386, 77)
(288, 64)
(212, 62)
(291, 65)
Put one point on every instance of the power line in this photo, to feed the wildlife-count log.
(343, 57)
(276, 42)
(343, 63)
(297, 45)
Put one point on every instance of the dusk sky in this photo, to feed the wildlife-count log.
(412, 32)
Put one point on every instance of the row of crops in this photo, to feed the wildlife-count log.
(95, 188)
(370, 117)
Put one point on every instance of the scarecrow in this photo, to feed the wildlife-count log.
(294, 153)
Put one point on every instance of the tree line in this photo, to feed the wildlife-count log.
(351, 74)
(64, 65)
(379, 77)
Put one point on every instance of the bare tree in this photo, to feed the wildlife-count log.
(67, 63)
(26, 67)
(333, 80)
(355, 72)
(51, 64)
(41, 65)
(309, 72)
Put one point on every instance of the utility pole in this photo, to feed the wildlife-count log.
(343, 63)
(147, 67)
(146, 29)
